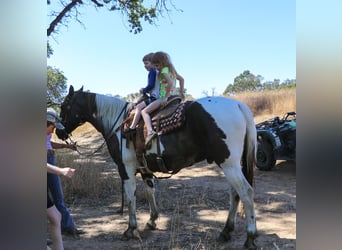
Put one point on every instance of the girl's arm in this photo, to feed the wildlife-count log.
(68, 172)
(181, 85)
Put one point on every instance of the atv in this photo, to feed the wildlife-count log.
(276, 140)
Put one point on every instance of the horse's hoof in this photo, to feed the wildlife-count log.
(151, 226)
(223, 237)
(250, 243)
(130, 234)
(124, 238)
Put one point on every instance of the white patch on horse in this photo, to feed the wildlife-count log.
(108, 109)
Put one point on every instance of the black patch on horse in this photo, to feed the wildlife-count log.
(200, 138)
(207, 134)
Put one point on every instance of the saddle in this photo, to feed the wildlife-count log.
(169, 118)
(164, 120)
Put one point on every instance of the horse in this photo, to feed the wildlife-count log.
(216, 129)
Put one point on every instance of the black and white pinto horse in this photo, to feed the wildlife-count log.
(216, 129)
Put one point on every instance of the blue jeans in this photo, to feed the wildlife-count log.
(55, 187)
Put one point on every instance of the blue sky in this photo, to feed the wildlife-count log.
(210, 43)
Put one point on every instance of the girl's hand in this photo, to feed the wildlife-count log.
(164, 102)
(68, 172)
(182, 96)
(71, 146)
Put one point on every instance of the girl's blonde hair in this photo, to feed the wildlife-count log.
(164, 60)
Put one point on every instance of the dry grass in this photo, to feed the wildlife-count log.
(93, 180)
(269, 103)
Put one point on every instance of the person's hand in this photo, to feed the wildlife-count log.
(68, 172)
(163, 102)
(72, 146)
(182, 96)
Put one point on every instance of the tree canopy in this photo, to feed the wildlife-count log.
(56, 87)
(247, 81)
(135, 11)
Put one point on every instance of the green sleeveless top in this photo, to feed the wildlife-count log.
(163, 82)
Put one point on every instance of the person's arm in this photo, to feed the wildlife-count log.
(181, 85)
(151, 81)
(68, 172)
(56, 145)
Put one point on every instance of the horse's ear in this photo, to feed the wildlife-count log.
(71, 90)
(81, 89)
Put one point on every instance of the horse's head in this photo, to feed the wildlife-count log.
(72, 112)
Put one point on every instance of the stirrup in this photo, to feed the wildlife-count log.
(150, 137)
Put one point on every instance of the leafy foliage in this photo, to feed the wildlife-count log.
(49, 50)
(135, 11)
(56, 87)
(287, 84)
(247, 81)
(133, 97)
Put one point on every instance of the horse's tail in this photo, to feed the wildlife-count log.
(250, 144)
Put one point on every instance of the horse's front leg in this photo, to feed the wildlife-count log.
(150, 191)
(130, 187)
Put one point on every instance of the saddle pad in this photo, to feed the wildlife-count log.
(172, 122)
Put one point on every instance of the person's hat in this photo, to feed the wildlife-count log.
(52, 116)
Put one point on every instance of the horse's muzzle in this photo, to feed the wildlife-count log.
(62, 134)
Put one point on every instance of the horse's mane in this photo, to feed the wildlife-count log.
(109, 108)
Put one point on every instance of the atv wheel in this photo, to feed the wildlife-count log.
(265, 156)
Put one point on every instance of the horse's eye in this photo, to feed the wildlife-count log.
(68, 107)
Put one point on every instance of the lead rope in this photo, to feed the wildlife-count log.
(78, 146)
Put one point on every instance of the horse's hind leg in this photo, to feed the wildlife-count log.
(245, 191)
(150, 190)
(230, 224)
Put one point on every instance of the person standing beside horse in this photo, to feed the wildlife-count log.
(167, 78)
(53, 181)
(152, 88)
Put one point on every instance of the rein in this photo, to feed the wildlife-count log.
(112, 131)
(84, 154)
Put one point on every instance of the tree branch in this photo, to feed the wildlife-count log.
(55, 22)
(97, 3)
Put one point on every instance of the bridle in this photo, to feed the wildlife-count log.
(110, 134)
(72, 142)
